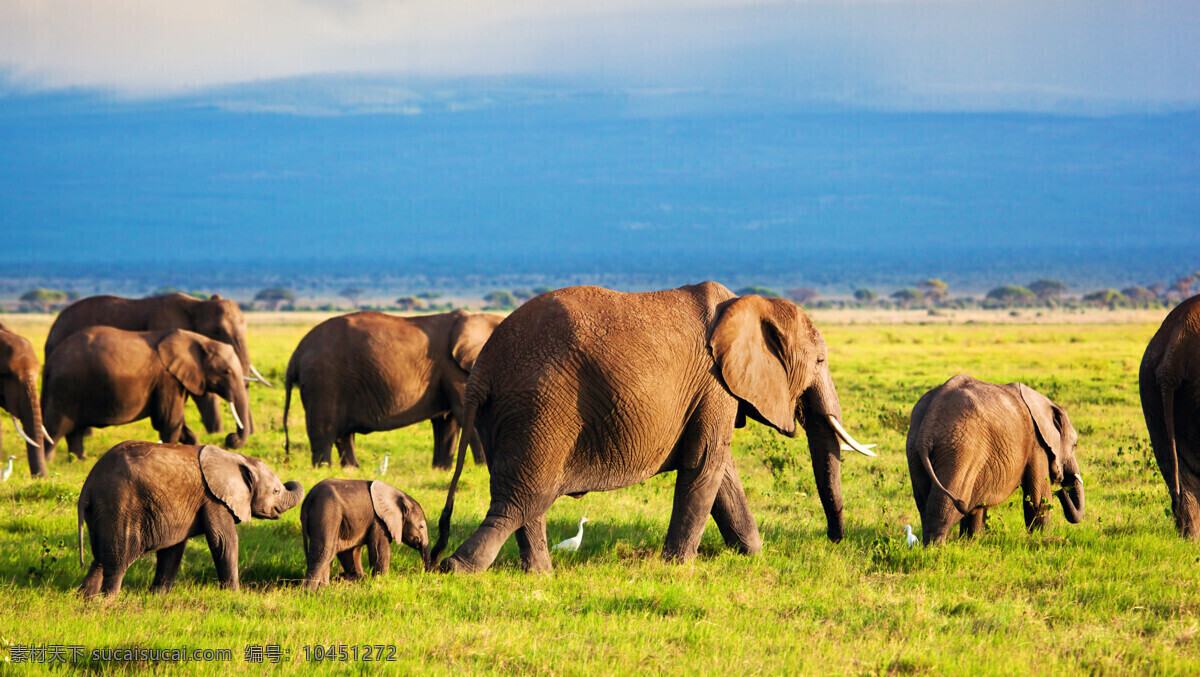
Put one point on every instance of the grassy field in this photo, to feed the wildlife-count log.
(1116, 593)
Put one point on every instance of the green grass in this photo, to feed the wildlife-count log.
(1116, 593)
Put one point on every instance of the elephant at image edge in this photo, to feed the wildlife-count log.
(141, 497)
(971, 444)
(367, 372)
(103, 376)
(19, 395)
(1169, 383)
(217, 318)
(586, 389)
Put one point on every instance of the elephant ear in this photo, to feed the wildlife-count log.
(1047, 419)
(228, 478)
(468, 335)
(751, 354)
(390, 507)
(183, 356)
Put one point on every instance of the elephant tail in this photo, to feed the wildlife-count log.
(289, 380)
(923, 451)
(79, 526)
(464, 439)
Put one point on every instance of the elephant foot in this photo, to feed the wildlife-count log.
(452, 565)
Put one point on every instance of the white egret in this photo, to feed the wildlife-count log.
(383, 466)
(909, 535)
(572, 544)
(7, 472)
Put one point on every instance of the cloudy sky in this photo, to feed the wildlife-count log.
(1057, 55)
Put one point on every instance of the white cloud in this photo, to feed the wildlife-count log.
(884, 53)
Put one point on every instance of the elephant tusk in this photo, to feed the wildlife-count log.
(21, 431)
(847, 447)
(47, 433)
(846, 439)
(236, 419)
(259, 376)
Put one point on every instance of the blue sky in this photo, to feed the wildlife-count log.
(1066, 56)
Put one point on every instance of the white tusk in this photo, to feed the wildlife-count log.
(21, 431)
(846, 439)
(47, 433)
(249, 379)
(847, 447)
(259, 376)
(236, 420)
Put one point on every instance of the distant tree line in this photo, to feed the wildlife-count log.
(931, 293)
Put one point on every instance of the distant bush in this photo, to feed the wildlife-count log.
(44, 300)
(761, 291)
(1008, 296)
(275, 297)
(500, 300)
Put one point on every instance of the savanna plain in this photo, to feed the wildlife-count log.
(1118, 593)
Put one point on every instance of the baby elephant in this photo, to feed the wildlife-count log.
(339, 517)
(971, 443)
(142, 497)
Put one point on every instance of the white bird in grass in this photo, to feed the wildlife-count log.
(572, 544)
(909, 535)
(7, 472)
(383, 466)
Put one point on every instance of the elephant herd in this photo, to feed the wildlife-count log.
(581, 389)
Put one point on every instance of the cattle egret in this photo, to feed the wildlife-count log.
(572, 544)
(7, 472)
(383, 466)
(909, 535)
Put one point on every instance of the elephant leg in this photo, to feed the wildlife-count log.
(695, 493)
(937, 518)
(732, 514)
(972, 523)
(166, 567)
(445, 429)
(481, 547)
(113, 577)
(1037, 499)
(379, 551)
(222, 540)
(318, 558)
(209, 406)
(351, 561)
(531, 542)
(75, 444)
(90, 587)
(345, 446)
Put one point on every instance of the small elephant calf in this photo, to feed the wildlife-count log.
(339, 517)
(142, 497)
(972, 443)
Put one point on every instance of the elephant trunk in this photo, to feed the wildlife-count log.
(1071, 494)
(294, 494)
(426, 560)
(240, 405)
(820, 403)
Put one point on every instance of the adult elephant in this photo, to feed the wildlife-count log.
(215, 317)
(103, 376)
(586, 389)
(19, 395)
(1169, 381)
(365, 372)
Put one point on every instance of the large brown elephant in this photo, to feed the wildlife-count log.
(972, 443)
(215, 317)
(1169, 381)
(142, 497)
(103, 376)
(366, 372)
(19, 395)
(586, 389)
